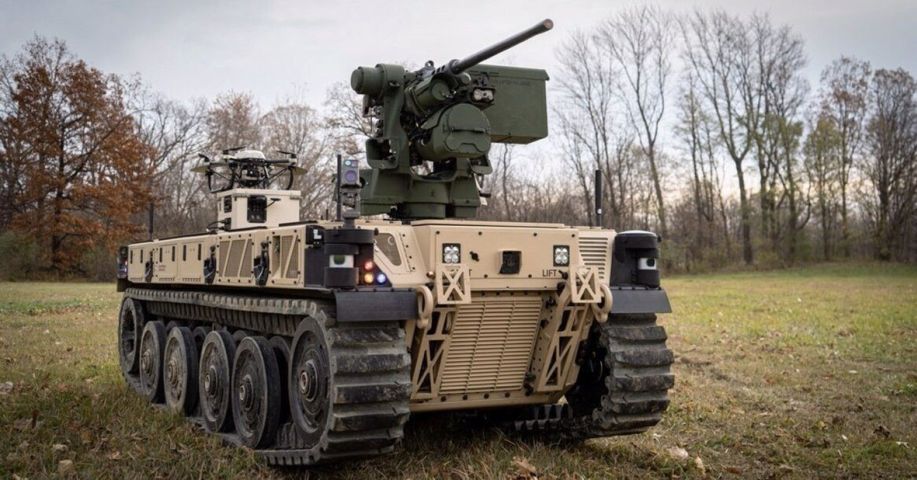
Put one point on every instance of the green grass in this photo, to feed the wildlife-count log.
(792, 374)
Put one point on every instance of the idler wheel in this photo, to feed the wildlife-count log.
(130, 330)
(214, 380)
(256, 392)
(180, 369)
(151, 347)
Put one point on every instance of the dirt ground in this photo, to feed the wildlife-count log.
(794, 374)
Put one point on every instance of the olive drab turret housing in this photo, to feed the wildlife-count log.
(313, 341)
(433, 129)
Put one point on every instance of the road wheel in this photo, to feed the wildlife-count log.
(256, 392)
(281, 348)
(199, 334)
(151, 346)
(180, 369)
(310, 402)
(215, 380)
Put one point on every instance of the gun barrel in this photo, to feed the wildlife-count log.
(458, 66)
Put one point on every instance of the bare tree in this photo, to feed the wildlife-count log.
(722, 58)
(695, 128)
(174, 134)
(590, 139)
(822, 151)
(843, 99)
(891, 166)
(585, 114)
(295, 127)
(233, 121)
(345, 121)
(780, 58)
(641, 42)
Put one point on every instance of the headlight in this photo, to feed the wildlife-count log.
(561, 255)
(482, 95)
(452, 253)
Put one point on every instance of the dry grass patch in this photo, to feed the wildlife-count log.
(797, 374)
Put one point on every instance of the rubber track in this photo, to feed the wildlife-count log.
(372, 388)
(369, 361)
(635, 387)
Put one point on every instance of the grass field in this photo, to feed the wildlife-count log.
(794, 374)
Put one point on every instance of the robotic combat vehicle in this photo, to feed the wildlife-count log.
(313, 341)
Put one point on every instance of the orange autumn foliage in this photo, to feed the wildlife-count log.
(82, 174)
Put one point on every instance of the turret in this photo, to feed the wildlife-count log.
(433, 129)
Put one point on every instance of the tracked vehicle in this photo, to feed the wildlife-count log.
(314, 341)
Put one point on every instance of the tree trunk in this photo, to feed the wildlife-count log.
(663, 227)
(747, 253)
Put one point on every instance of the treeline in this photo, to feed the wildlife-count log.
(701, 126)
(705, 130)
(87, 159)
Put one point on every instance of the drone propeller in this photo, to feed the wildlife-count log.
(232, 150)
(207, 166)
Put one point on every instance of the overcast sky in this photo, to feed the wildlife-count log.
(198, 48)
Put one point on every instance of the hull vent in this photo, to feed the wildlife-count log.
(594, 251)
(491, 344)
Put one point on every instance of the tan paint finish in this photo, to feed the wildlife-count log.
(500, 339)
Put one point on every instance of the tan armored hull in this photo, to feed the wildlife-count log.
(479, 337)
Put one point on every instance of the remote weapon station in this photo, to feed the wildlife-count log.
(314, 341)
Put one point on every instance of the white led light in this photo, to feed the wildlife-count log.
(451, 254)
(561, 256)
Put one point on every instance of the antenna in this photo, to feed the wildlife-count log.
(337, 190)
(599, 215)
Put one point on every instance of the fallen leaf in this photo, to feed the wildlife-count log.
(735, 470)
(65, 467)
(678, 453)
(59, 448)
(6, 388)
(699, 465)
(116, 455)
(526, 469)
(882, 431)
